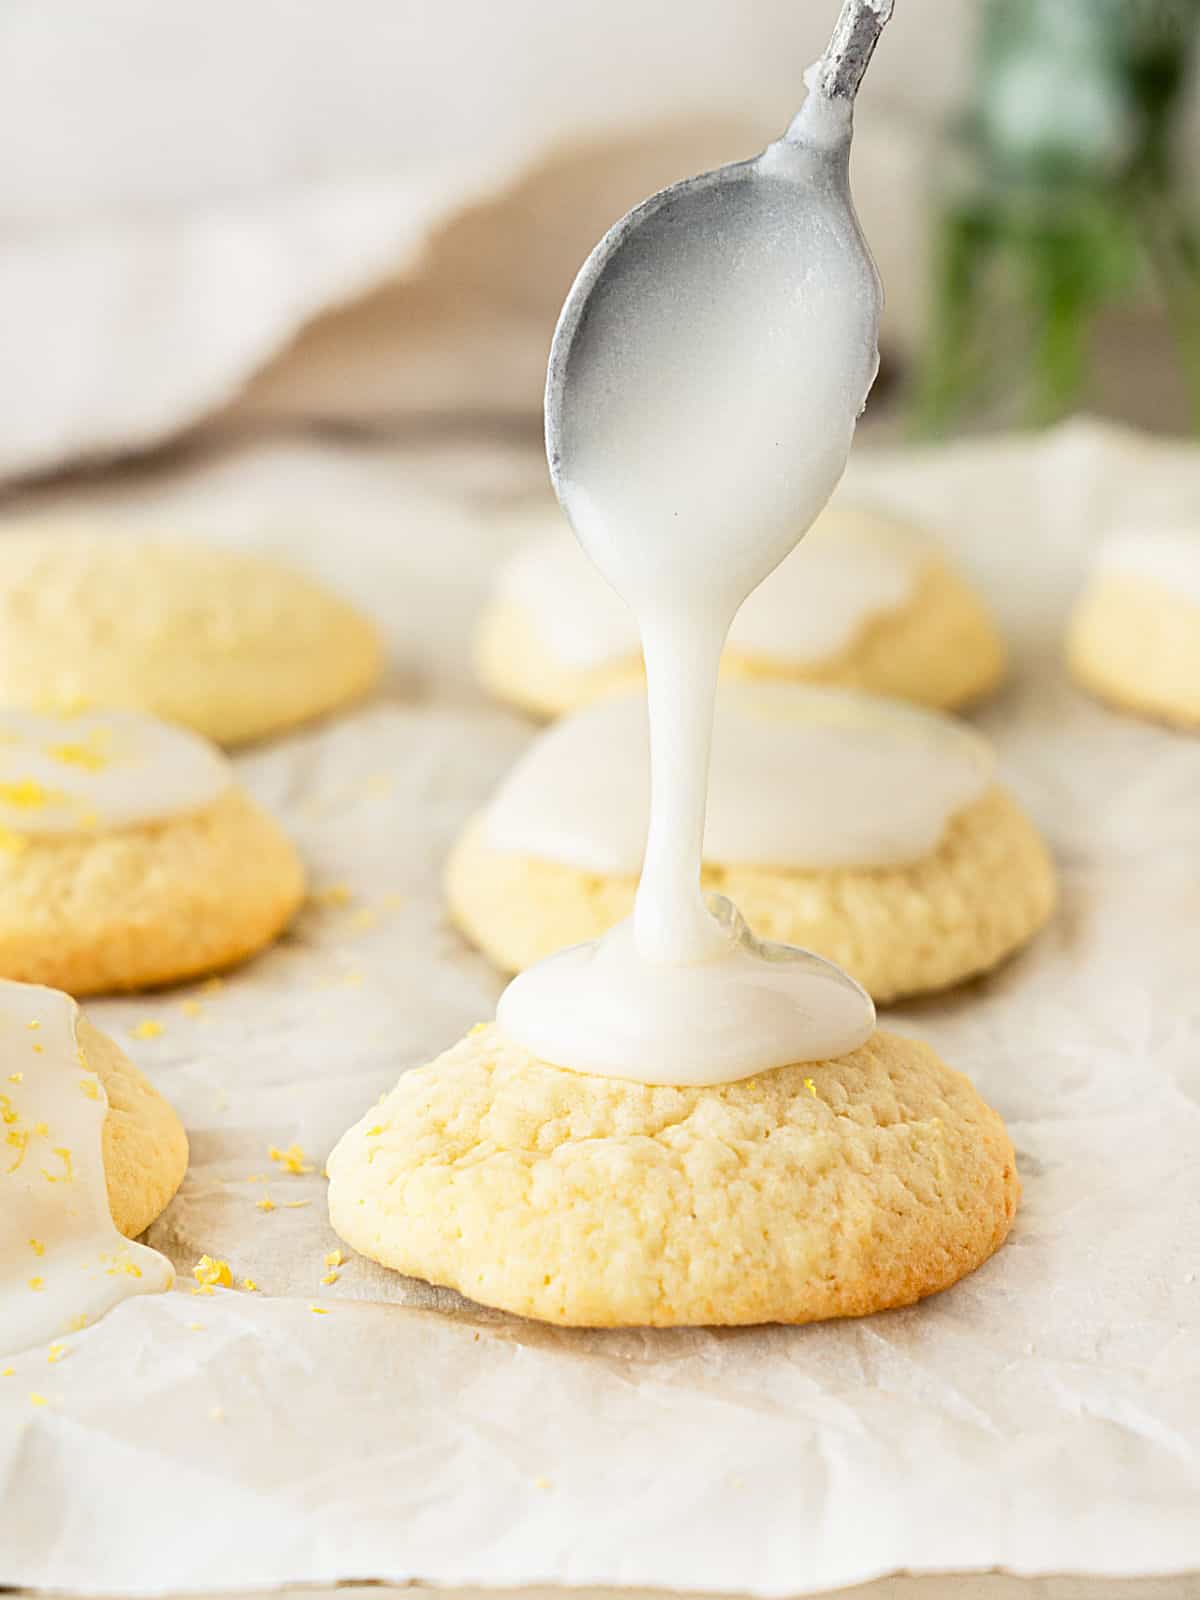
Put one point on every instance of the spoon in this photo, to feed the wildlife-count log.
(647, 237)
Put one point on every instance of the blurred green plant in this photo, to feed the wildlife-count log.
(1062, 194)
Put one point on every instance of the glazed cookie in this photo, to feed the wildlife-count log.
(231, 644)
(872, 833)
(863, 602)
(93, 1156)
(128, 856)
(1134, 639)
(831, 1189)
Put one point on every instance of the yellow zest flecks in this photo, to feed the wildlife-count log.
(90, 1087)
(293, 1159)
(67, 1175)
(16, 1077)
(38, 1049)
(266, 1203)
(148, 1029)
(332, 894)
(8, 1372)
(331, 1277)
(37, 1284)
(196, 1327)
(210, 1273)
(335, 1258)
(123, 1267)
(77, 1324)
(36, 1399)
(191, 1008)
(13, 843)
(296, 1205)
(811, 1087)
(56, 1353)
(86, 756)
(249, 1285)
(319, 1311)
(38, 1248)
(34, 1025)
(27, 794)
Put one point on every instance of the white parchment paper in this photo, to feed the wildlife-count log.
(1042, 1416)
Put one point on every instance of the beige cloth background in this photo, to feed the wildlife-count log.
(189, 186)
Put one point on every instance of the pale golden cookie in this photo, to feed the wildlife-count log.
(146, 905)
(1136, 644)
(901, 930)
(831, 1189)
(229, 643)
(940, 649)
(145, 1148)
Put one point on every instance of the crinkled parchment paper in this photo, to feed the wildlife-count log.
(1042, 1416)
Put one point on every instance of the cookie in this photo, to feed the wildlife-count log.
(129, 857)
(1134, 638)
(832, 1189)
(228, 643)
(144, 1148)
(873, 834)
(92, 1156)
(863, 602)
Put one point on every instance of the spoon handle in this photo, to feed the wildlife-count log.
(855, 36)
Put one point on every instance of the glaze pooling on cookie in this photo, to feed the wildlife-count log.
(1171, 560)
(63, 1262)
(89, 772)
(799, 778)
(853, 565)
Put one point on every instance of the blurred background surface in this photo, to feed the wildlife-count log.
(363, 218)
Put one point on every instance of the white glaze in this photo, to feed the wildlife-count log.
(92, 771)
(853, 565)
(707, 428)
(1169, 559)
(799, 778)
(52, 1186)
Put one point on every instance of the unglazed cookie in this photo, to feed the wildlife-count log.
(129, 857)
(92, 1156)
(871, 833)
(832, 1189)
(229, 643)
(1134, 638)
(863, 602)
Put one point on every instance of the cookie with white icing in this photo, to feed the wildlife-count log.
(91, 1156)
(226, 642)
(872, 833)
(863, 602)
(1134, 638)
(129, 856)
(832, 1189)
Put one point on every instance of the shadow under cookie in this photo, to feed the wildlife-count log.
(829, 1189)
